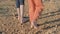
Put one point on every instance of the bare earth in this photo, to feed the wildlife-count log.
(48, 22)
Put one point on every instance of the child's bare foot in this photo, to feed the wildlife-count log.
(18, 18)
(35, 26)
(32, 26)
(21, 21)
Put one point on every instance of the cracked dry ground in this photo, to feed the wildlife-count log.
(49, 21)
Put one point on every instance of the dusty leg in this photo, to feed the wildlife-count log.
(38, 7)
(31, 11)
(18, 11)
(21, 13)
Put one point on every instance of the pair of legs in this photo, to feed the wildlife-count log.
(20, 8)
(35, 7)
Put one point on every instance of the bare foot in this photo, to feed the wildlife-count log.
(18, 18)
(35, 25)
(32, 26)
(21, 20)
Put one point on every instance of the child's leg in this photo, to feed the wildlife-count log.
(31, 11)
(19, 5)
(18, 8)
(18, 11)
(21, 13)
(38, 6)
(21, 10)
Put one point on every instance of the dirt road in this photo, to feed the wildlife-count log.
(48, 22)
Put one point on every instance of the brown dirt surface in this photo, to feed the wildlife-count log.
(48, 22)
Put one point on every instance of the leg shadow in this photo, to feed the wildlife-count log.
(25, 19)
(50, 22)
